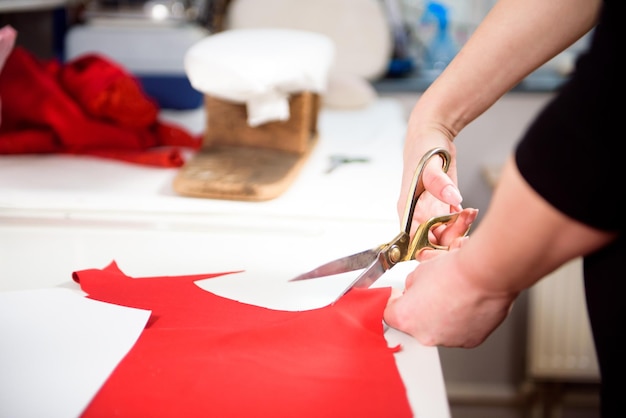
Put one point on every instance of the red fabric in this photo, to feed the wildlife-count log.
(41, 141)
(156, 158)
(106, 91)
(28, 141)
(202, 355)
(88, 106)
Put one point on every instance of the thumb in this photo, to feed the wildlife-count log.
(389, 314)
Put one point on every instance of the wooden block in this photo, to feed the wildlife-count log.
(227, 125)
(239, 173)
(240, 162)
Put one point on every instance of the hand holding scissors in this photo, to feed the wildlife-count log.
(378, 260)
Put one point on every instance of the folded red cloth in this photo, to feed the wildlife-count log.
(87, 106)
(153, 157)
(107, 92)
(28, 141)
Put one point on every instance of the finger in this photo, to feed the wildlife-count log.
(459, 227)
(444, 234)
(389, 314)
(454, 236)
(429, 206)
(410, 279)
(393, 313)
(458, 243)
(440, 185)
(428, 254)
(395, 294)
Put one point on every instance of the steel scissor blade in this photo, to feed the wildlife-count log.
(342, 265)
(375, 270)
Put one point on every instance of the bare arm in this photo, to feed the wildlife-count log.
(458, 298)
(514, 39)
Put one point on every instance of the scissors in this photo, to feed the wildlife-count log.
(378, 260)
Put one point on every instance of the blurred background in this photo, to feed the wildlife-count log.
(540, 363)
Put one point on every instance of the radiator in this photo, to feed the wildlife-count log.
(560, 345)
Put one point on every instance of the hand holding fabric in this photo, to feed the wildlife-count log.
(457, 298)
(440, 306)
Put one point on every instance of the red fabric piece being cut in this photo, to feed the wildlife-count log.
(202, 355)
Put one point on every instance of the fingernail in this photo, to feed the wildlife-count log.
(452, 196)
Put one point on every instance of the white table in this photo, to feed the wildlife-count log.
(59, 214)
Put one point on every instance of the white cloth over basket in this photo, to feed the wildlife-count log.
(261, 68)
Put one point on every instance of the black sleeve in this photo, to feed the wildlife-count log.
(571, 153)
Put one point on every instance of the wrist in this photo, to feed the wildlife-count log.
(481, 275)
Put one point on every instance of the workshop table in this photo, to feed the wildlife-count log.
(61, 213)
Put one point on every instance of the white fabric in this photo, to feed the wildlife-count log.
(261, 68)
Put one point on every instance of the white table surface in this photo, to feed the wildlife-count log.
(59, 214)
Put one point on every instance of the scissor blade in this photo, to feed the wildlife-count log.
(342, 265)
(368, 277)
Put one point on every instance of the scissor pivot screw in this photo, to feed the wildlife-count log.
(395, 254)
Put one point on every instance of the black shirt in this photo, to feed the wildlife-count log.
(571, 156)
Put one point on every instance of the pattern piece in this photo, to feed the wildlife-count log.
(203, 355)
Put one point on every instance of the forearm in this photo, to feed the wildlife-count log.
(515, 38)
(459, 297)
(522, 238)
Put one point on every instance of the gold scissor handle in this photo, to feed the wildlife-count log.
(421, 240)
(417, 185)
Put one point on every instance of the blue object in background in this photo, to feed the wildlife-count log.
(59, 29)
(441, 48)
(402, 62)
(171, 91)
(400, 67)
